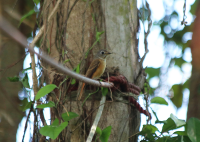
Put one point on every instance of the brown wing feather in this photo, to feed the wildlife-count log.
(92, 68)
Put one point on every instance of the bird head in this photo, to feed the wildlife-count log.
(102, 54)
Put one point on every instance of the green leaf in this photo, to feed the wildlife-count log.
(29, 68)
(182, 133)
(13, 79)
(71, 116)
(168, 125)
(186, 139)
(25, 81)
(26, 15)
(193, 129)
(26, 104)
(66, 61)
(148, 129)
(177, 121)
(45, 90)
(89, 96)
(169, 139)
(104, 91)
(179, 61)
(73, 81)
(105, 134)
(155, 115)
(159, 100)
(186, 84)
(77, 71)
(98, 34)
(49, 104)
(53, 130)
(98, 131)
(36, 1)
(178, 95)
(152, 72)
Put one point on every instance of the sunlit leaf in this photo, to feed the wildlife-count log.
(49, 104)
(77, 71)
(66, 61)
(193, 129)
(98, 131)
(177, 99)
(182, 133)
(53, 130)
(25, 81)
(159, 100)
(26, 15)
(148, 129)
(105, 134)
(168, 125)
(179, 61)
(71, 116)
(26, 104)
(104, 91)
(177, 121)
(186, 84)
(45, 90)
(152, 72)
(13, 79)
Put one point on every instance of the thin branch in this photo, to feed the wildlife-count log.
(32, 44)
(96, 120)
(16, 35)
(183, 22)
(42, 28)
(26, 123)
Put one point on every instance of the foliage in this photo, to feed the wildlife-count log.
(23, 80)
(104, 134)
(45, 90)
(173, 37)
(49, 104)
(159, 100)
(169, 133)
(54, 129)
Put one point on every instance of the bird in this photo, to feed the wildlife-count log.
(96, 68)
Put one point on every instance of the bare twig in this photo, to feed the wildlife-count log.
(42, 28)
(183, 22)
(25, 127)
(32, 44)
(96, 120)
(16, 35)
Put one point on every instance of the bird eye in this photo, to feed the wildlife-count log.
(102, 52)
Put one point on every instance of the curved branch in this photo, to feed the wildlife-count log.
(16, 35)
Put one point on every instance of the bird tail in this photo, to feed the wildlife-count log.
(81, 92)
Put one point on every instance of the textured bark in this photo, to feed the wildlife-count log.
(73, 34)
(10, 53)
(194, 106)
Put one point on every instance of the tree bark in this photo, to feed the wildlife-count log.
(194, 106)
(68, 36)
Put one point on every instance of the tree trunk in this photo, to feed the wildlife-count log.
(11, 63)
(194, 106)
(75, 29)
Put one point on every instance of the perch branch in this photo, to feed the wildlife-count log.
(16, 35)
(96, 120)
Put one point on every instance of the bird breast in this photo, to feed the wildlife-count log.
(100, 69)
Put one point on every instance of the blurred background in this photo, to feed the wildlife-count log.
(172, 63)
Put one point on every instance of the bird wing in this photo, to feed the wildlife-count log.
(92, 68)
